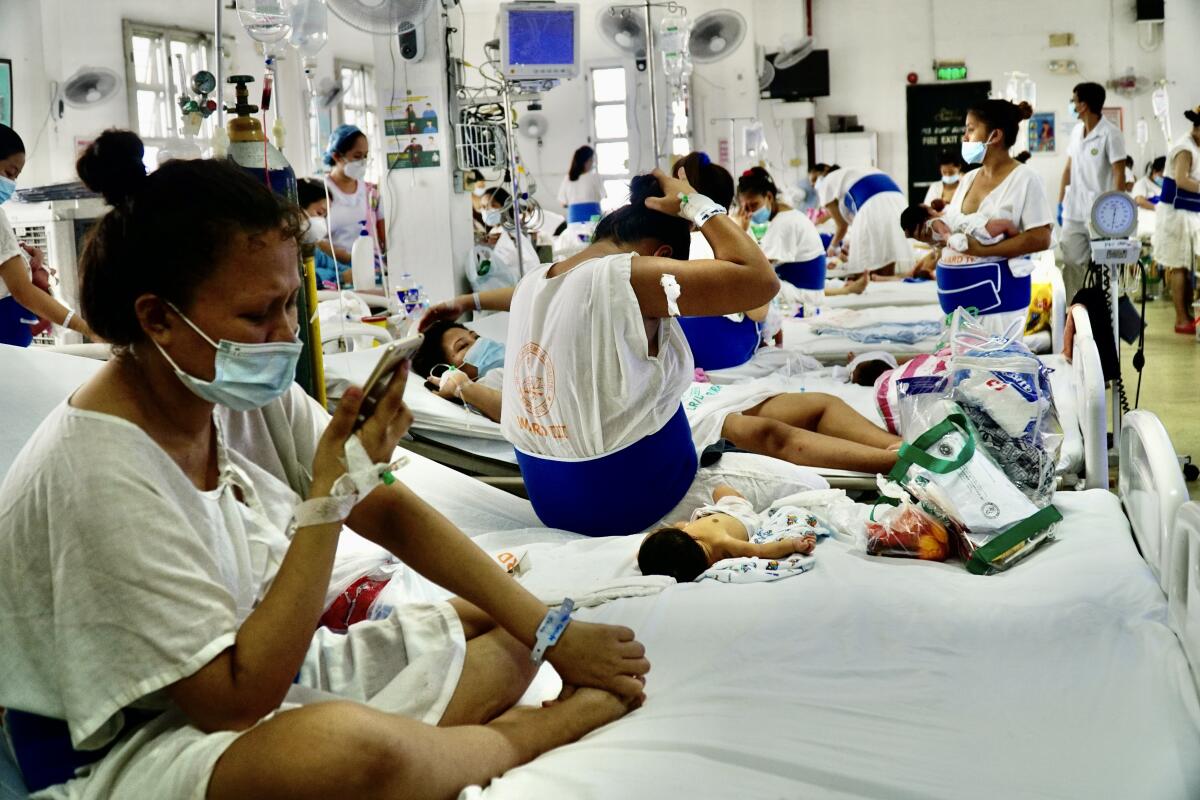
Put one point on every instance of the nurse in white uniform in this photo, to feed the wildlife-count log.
(994, 280)
(581, 190)
(352, 200)
(866, 205)
(1177, 232)
(162, 574)
(1095, 164)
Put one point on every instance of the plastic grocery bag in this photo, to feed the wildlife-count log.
(944, 467)
(906, 529)
(1004, 389)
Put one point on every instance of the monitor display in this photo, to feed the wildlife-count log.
(539, 41)
(541, 37)
(809, 78)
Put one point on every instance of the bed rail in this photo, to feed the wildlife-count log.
(1152, 489)
(1091, 402)
(1183, 597)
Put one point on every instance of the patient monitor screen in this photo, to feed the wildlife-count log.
(541, 42)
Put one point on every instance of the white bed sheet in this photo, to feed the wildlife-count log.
(871, 678)
(886, 293)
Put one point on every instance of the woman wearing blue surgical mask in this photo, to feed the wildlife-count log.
(22, 302)
(175, 526)
(352, 199)
(950, 167)
(994, 279)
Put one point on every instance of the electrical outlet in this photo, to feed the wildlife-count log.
(1062, 40)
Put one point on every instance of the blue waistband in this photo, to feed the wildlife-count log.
(617, 494)
(804, 274)
(1180, 198)
(989, 288)
(867, 187)
(14, 323)
(582, 212)
(719, 343)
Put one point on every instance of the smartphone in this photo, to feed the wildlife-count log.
(394, 354)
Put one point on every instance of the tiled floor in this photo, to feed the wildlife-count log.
(1171, 381)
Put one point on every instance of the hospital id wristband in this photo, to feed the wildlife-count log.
(698, 209)
(364, 474)
(324, 510)
(551, 629)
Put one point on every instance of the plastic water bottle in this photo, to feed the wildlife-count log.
(407, 292)
(362, 259)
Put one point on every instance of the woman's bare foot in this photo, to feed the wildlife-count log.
(857, 284)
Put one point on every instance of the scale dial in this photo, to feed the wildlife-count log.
(1114, 215)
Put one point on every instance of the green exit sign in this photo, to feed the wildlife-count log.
(951, 72)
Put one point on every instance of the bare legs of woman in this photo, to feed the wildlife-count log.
(814, 430)
(1181, 293)
(345, 749)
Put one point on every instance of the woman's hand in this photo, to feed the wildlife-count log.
(602, 656)
(672, 187)
(448, 310)
(379, 434)
(451, 384)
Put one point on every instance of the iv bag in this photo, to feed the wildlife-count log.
(1143, 133)
(310, 28)
(754, 142)
(266, 21)
(673, 44)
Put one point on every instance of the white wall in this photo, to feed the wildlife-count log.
(49, 40)
(1181, 43)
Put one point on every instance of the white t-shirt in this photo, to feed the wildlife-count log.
(791, 236)
(119, 577)
(935, 191)
(1092, 158)
(1020, 197)
(346, 211)
(1185, 142)
(835, 185)
(587, 189)
(579, 380)
(8, 249)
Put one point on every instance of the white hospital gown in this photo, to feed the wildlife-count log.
(118, 578)
(773, 525)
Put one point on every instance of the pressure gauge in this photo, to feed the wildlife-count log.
(203, 82)
(1114, 216)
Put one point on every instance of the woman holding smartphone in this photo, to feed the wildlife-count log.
(167, 538)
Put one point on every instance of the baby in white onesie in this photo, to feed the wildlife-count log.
(728, 529)
(943, 226)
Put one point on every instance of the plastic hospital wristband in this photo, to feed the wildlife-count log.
(551, 629)
(66, 323)
(478, 302)
(671, 289)
(698, 209)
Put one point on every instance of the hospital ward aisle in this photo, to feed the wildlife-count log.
(1170, 381)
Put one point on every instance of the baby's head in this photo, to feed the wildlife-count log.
(672, 552)
(913, 217)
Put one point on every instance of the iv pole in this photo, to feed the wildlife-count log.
(645, 6)
(512, 176)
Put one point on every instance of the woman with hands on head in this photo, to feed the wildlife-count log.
(596, 364)
(195, 497)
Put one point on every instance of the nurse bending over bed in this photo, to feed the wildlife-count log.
(161, 580)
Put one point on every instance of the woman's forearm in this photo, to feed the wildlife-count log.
(490, 300)
(412, 530)
(730, 243)
(487, 400)
(1031, 241)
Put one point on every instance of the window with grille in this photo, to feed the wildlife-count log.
(357, 104)
(159, 64)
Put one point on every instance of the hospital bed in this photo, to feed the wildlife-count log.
(467, 441)
(865, 677)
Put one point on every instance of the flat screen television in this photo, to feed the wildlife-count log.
(809, 78)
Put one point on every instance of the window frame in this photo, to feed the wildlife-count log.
(370, 107)
(167, 34)
(596, 140)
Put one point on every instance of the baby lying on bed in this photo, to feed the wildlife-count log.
(943, 226)
(723, 538)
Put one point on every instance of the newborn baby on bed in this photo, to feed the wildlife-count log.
(730, 542)
(937, 224)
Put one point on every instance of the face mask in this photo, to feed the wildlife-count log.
(478, 191)
(248, 376)
(485, 355)
(318, 229)
(1158, 181)
(7, 187)
(1074, 113)
(491, 217)
(355, 169)
(973, 152)
(949, 180)
(763, 215)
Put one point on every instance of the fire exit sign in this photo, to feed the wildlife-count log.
(950, 71)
